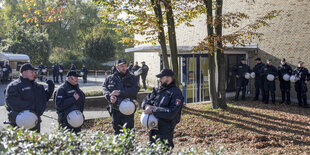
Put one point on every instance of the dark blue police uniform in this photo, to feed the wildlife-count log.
(66, 103)
(168, 101)
(128, 86)
(23, 94)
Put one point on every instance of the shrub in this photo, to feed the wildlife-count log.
(19, 141)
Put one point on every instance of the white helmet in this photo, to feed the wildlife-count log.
(4, 69)
(149, 120)
(82, 73)
(127, 107)
(44, 70)
(253, 75)
(270, 77)
(138, 72)
(60, 70)
(286, 77)
(75, 118)
(26, 119)
(247, 75)
(293, 78)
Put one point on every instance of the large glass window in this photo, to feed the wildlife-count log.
(193, 75)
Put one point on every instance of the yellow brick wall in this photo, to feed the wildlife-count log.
(152, 60)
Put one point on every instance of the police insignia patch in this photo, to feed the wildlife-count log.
(177, 101)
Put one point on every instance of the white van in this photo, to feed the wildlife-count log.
(15, 61)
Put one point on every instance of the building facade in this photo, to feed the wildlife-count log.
(287, 37)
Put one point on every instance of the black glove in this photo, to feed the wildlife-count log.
(12, 116)
(51, 85)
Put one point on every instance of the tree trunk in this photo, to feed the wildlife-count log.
(220, 56)
(172, 39)
(211, 56)
(161, 32)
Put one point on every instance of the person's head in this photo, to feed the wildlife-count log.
(83, 65)
(73, 77)
(166, 77)
(131, 63)
(143, 62)
(72, 64)
(283, 61)
(258, 60)
(243, 61)
(269, 62)
(41, 63)
(300, 64)
(7, 62)
(27, 71)
(137, 63)
(121, 66)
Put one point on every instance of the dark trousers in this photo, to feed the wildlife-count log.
(269, 87)
(119, 120)
(164, 133)
(241, 86)
(144, 81)
(259, 87)
(84, 78)
(62, 120)
(285, 87)
(5, 77)
(301, 90)
(61, 77)
(55, 78)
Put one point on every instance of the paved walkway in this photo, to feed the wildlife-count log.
(49, 118)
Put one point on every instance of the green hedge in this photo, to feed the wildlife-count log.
(19, 141)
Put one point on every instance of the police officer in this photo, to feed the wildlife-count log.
(41, 73)
(84, 72)
(165, 103)
(67, 98)
(61, 72)
(269, 86)
(25, 94)
(145, 70)
(117, 87)
(285, 86)
(6, 70)
(259, 80)
(73, 67)
(55, 69)
(130, 67)
(240, 70)
(302, 74)
(113, 69)
(134, 69)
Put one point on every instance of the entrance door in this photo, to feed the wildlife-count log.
(194, 78)
(231, 61)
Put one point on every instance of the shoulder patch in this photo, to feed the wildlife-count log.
(178, 101)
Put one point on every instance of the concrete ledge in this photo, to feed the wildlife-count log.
(98, 102)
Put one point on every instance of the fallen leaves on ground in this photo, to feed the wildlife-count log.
(245, 127)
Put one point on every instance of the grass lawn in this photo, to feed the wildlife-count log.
(246, 127)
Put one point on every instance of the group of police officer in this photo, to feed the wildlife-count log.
(164, 103)
(6, 70)
(26, 100)
(265, 75)
(58, 72)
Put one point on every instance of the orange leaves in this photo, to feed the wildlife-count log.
(37, 15)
